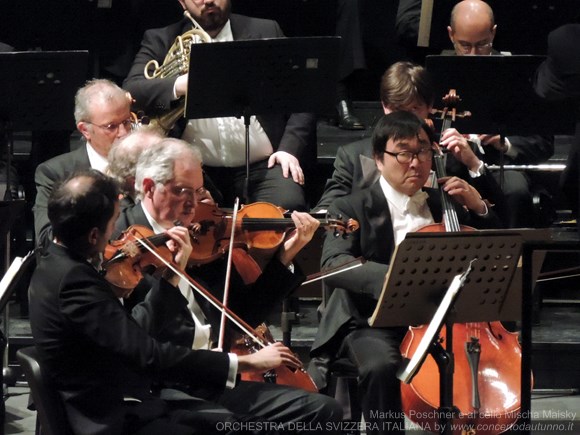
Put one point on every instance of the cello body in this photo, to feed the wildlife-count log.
(495, 379)
(486, 359)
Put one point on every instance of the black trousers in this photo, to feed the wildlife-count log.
(375, 352)
(249, 408)
(265, 184)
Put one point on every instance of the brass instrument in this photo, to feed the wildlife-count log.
(176, 63)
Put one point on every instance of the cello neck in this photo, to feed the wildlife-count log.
(450, 218)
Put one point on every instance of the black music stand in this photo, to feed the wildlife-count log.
(261, 77)
(498, 91)
(38, 89)
(437, 278)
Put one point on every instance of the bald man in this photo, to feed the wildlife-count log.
(471, 30)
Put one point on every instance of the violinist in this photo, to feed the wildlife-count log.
(168, 177)
(123, 158)
(408, 86)
(95, 353)
(394, 205)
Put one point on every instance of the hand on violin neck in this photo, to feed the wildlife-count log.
(305, 227)
(464, 193)
(267, 358)
(180, 246)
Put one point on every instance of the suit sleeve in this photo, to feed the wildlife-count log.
(341, 182)
(155, 95)
(86, 304)
(366, 279)
(527, 150)
(44, 178)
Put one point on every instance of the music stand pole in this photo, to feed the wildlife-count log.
(246, 192)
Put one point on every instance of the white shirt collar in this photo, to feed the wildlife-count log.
(225, 34)
(96, 160)
(157, 229)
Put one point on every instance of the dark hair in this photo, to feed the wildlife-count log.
(397, 125)
(84, 201)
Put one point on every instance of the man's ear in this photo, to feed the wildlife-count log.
(493, 30)
(84, 129)
(148, 186)
(93, 236)
(450, 33)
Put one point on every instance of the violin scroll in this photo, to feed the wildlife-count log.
(340, 227)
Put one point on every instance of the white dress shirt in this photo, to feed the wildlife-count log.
(407, 213)
(96, 160)
(222, 141)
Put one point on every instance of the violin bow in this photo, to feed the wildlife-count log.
(228, 275)
(233, 317)
(349, 265)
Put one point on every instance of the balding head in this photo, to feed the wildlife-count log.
(125, 153)
(81, 205)
(472, 27)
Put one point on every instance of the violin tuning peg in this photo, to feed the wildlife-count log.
(336, 233)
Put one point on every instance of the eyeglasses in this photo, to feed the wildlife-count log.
(405, 157)
(183, 192)
(479, 47)
(114, 127)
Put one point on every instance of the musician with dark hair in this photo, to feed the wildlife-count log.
(387, 210)
(103, 360)
(277, 141)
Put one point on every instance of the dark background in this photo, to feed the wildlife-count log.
(112, 29)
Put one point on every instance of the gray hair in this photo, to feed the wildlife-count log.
(125, 153)
(157, 162)
(96, 90)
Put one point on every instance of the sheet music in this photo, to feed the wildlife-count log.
(10, 276)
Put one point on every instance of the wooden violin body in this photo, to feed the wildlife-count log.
(281, 375)
(486, 379)
(260, 228)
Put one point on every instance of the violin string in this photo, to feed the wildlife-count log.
(207, 297)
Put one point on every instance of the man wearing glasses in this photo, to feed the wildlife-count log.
(386, 211)
(102, 115)
(472, 30)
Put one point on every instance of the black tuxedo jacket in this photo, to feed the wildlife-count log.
(355, 169)
(252, 303)
(290, 133)
(355, 292)
(47, 174)
(96, 353)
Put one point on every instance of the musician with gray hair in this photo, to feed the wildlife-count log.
(102, 115)
(277, 141)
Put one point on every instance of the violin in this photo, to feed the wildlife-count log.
(260, 228)
(281, 375)
(125, 259)
(139, 247)
(487, 357)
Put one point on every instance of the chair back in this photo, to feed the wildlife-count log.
(49, 406)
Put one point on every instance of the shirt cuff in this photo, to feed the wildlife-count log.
(233, 371)
(486, 210)
(479, 171)
(510, 152)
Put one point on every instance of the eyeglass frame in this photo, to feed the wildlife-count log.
(466, 47)
(413, 155)
(190, 191)
(113, 127)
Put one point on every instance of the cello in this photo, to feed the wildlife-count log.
(487, 360)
